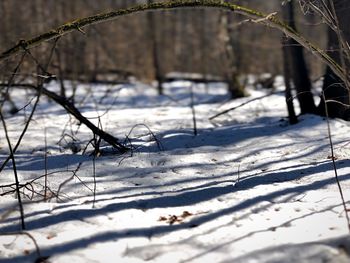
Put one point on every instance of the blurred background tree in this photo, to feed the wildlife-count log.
(190, 40)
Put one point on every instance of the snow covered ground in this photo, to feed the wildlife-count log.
(248, 188)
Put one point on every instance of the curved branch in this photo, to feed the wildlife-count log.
(257, 17)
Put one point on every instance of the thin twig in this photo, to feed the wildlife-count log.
(20, 205)
(12, 77)
(24, 185)
(159, 144)
(94, 176)
(37, 249)
(243, 104)
(45, 164)
(40, 90)
(238, 176)
(195, 132)
(334, 165)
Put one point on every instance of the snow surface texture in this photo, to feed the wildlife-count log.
(248, 188)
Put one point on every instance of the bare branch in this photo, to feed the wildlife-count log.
(71, 109)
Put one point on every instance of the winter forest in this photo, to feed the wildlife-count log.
(174, 131)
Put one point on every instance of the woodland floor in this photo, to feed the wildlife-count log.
(248, 188)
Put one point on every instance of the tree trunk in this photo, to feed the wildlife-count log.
(154, 47)
(235, 88)
(299, 71)
(287, 80)
(203, 47)
(335, 91)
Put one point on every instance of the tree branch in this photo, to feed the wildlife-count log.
(71, 109)
(243, 104)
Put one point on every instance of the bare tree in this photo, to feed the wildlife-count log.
(336, 92)
(229, 36)
(155, 49)
(298, 68)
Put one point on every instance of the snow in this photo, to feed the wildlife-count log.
(248, 188)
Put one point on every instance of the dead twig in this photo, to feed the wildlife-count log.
(193, 110)
(150, 132)
(37, 249)
(346, 210)
(244, 103)
(12, 157)
(39, 89)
